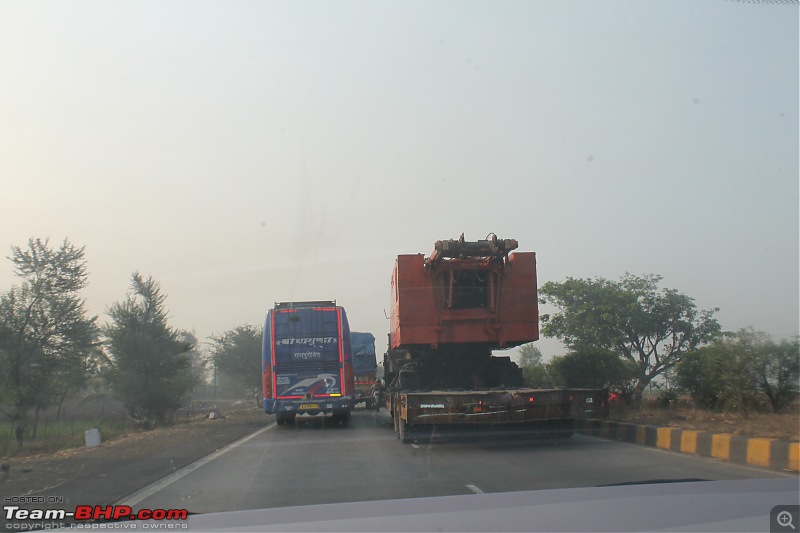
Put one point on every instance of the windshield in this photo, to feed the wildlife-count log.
(394, 250)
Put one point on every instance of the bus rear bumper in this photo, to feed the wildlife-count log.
(325, 406)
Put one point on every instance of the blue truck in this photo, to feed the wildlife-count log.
(306, 362)
(365, 365)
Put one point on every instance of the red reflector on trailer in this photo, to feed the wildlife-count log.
(530, 400)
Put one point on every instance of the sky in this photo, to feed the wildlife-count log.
(249, 152)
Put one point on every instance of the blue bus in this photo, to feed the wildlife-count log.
(306, 361)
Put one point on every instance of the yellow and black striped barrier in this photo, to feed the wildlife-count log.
(769, 453)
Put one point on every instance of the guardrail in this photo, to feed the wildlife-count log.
(769, 453)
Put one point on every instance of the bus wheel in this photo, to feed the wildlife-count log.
(341, 419)
(283, 419)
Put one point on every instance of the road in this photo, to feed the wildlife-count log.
(310, 463)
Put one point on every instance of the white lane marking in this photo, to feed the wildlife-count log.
(415, 446)
(148, 491)
(474, 489)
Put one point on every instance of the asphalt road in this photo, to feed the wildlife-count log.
(311, 463)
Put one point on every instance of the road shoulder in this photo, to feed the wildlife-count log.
(108, 473)
(768, 453)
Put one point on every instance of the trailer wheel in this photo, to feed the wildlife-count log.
(402, 434)
(563, 429)
(342, 419)
(568, 429)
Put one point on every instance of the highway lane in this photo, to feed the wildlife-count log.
(311, 463)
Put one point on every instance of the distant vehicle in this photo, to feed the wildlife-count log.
(449, 311)
(364, 365)
(307, 361)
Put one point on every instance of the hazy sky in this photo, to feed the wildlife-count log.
(245, 153)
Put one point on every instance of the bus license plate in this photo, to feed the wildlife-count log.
(309, 406)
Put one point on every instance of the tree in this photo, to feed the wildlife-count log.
(733, 358)
(45, 335)
(150, 367)
(198, 368)
(237, 354)
(633, 318)
(595, 369)
(740, 369)
(777, 369)
(697, 373)
(533, 369)
(553, 369)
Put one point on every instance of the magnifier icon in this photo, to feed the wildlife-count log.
(785, 519)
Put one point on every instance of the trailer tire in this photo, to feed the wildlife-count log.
(342, 419)
(402, 434)
(564, 429)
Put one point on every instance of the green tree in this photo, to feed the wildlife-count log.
(737, 371)
(777, 369)
(696, 374)
(199, 366)
(237, 354)
(45, 334)
(720, 376)
(631, 317)
(150, 366)
(534, 372)
(595, 369)
(553, 370)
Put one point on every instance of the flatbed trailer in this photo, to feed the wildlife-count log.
(425, 415)
(449, 312)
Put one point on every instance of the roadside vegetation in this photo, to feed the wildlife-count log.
(54, 355)
(56, 433)
(629, 336)
(666, 362)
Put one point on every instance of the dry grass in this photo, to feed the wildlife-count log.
(62, 436)
(784, 426)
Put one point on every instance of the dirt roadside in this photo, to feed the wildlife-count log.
(782, 426)
(106, 474)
